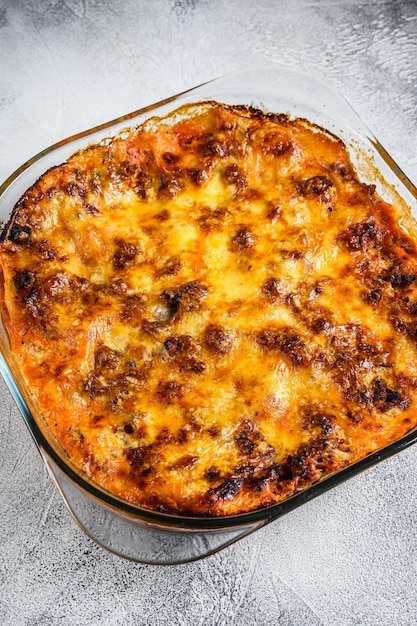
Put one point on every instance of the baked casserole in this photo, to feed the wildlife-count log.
(212, 311)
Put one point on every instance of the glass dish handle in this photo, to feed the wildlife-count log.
(136, 539)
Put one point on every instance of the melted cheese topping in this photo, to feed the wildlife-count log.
(211, 311)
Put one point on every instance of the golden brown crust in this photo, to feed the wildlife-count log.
(212, 311)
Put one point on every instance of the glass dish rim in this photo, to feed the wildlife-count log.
(173, 520)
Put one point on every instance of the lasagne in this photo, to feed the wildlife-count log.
(211, 311)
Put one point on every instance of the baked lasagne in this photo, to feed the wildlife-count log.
(211, 311)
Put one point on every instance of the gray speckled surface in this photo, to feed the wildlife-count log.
(350, 556)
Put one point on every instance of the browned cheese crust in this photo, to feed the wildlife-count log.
(211, 311)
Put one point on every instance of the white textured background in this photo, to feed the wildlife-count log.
(349, 557)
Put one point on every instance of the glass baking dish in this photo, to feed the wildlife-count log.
(130, 531)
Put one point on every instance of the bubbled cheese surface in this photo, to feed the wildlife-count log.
(211, 311)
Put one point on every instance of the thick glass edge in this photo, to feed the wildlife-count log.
(240, 531)
(85, 133)
(359, 129)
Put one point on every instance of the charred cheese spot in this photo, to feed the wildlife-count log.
(124, 255)
(217, 340)
(185, 298)
(242, 240)
(19, 233)
(398, 279)
(105, 358)
(361, 236)
(212, 311)
(276, 144)
(180, 345)
(23, 279)
(169, 391)
(273, 211)
(272, 289)
(132, 309)
(285, 341)
(183, 349)
(316, 186)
